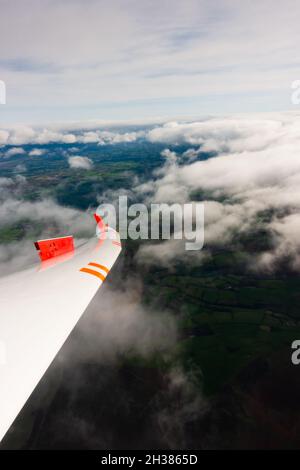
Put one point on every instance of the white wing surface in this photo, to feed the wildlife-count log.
(39, 308)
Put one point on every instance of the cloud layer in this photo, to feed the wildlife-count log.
(22, 135)
(255, 169)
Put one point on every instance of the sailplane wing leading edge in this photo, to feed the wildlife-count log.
(40, 307)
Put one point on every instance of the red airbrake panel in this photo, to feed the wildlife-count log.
(54, 247)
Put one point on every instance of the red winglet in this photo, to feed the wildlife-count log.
(54, 247)
(97, 218)
(100, 223)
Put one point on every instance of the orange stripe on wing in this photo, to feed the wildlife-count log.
(94, 273)
(100, 266)
(116, 243)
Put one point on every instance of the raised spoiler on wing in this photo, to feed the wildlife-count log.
(40, 308)
(53, 247)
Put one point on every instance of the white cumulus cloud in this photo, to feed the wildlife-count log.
(84, 163)
(14, 151)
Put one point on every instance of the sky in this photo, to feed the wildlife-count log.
(67, 60)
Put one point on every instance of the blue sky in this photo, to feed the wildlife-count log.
(128, 59)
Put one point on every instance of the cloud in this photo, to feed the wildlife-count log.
(254, 169)
(20, 135)
(180, 405)
(230, 134)
(46, 210)
(46, 136)
(285, 232)
(21, 168)
(12, 187)
(5, 182)
(168, 254)
(36, 152)
(109, 137)
(39, 219)
(132, 329)
(254, 157)
(14, 151)
(65, 134)
(84, 163)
